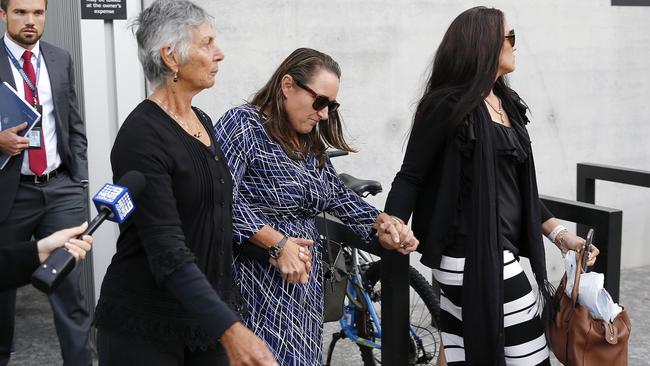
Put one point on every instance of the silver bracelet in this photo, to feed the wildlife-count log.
(556, 230)
(560, 238)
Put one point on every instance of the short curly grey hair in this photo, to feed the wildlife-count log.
(165, 22)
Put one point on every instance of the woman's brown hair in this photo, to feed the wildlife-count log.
(302, 64)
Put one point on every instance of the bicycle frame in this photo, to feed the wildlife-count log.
(347, 322)
(368, 333)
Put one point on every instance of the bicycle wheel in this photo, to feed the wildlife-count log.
(424, 316)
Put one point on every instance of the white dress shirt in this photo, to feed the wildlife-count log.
(45, 98)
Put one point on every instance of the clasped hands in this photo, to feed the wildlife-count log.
(295, 261)
(394, 234)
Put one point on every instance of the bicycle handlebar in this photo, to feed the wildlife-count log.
(335, 153)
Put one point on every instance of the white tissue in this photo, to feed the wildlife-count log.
(591, 293)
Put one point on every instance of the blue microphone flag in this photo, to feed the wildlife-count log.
(117, 200)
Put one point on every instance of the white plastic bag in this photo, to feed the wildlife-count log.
(591, 293)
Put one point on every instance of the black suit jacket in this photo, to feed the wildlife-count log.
(70, 129)
(18, 262)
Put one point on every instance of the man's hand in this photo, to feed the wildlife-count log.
(11, 143)
(244, 348)
(65, 238)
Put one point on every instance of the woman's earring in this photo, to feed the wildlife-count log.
(175, 79)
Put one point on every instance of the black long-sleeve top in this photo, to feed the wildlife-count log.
(450, 181)
(170, 279)
(423, 188)
(18, 262)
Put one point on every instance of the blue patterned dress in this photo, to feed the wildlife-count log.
(270, 188)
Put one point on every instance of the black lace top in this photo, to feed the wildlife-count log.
(170, 279)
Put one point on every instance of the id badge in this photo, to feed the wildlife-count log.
(36, 132)
(35, 138)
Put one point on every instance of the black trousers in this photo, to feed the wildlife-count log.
(39, 210)
(128, 349)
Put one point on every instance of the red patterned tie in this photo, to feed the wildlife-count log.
(37, 156)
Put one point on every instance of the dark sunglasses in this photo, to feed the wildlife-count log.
(320, 101)
(511, 37)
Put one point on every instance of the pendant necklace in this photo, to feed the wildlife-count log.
(196, 134)
(498, 111)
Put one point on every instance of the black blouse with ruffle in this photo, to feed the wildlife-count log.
(510, 157)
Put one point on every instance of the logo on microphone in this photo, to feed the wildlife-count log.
(117, 200)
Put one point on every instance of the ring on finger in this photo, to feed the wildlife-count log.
(402, 245)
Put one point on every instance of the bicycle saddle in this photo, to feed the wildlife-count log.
(360, 186)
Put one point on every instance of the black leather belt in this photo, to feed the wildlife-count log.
(40, 178)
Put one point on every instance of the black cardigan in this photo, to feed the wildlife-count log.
(422, 186)
(431, 185)
(170, 279)
(18, 262)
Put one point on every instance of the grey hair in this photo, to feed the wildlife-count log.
(165, 22)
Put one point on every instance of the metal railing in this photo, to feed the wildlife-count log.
(588, 173)
(394, 294)
(607, 223)
(586, 176)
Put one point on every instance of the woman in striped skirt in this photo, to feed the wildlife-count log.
(468, 178)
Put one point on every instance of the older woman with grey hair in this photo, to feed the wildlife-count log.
(168, 296)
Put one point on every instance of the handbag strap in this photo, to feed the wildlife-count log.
(330, 261)
(576, 281)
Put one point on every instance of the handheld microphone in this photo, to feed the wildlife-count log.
(114, 202)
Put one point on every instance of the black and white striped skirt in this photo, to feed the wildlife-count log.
(525, 342)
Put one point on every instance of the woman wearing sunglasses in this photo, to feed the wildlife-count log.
(282, 179)
(468, 178)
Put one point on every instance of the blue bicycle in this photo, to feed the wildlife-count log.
(361, 322)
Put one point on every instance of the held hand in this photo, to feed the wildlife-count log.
(386, 224)
(292, 267)
(11, 143)
(65, 238)
(393, 234)
(244, 348)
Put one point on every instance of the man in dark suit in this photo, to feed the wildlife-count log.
(42, 186)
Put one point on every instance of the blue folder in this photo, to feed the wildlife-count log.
(14, 110)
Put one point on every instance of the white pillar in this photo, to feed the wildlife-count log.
(113, 86)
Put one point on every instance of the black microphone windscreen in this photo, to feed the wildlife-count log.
(134, 181)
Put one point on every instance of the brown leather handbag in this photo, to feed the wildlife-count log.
(578, 339)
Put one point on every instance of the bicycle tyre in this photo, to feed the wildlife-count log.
(430, 297)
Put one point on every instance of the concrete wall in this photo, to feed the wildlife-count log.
(582, 66)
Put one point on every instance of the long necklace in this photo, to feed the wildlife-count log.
(499, 111)
(196, 134)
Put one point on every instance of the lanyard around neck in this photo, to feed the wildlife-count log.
(22, 73)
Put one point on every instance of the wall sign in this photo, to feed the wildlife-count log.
(103, 9)
(631, 2)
